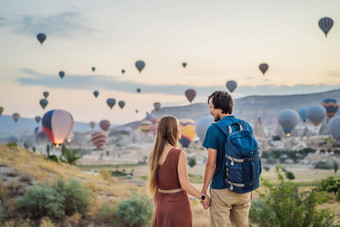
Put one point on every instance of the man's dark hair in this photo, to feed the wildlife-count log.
(222, 100)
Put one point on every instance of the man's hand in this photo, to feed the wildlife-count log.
(206, 202)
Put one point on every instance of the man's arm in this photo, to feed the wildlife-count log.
(209, 169)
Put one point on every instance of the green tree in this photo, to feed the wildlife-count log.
(283, 205)
(335, 166)
(69, 156)
(48, 149)
(192, 161)
(290, 175)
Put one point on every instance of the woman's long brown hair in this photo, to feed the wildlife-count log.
(167, 132)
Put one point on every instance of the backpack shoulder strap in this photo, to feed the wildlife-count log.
(222, 128)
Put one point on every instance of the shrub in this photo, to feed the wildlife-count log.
(41, 201)
(335, 166)
(2, 213)
(276, 138)
(107, 213)
(323, 165)
(283, 205)
(105, 174)
(12, 145)
(330, 184)
(76, 197)
(52, 157)
(191, 161)
(135, 211)
(290, 175)
(266, 168)
(69, 156)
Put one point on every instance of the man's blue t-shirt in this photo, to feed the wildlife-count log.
(216, 140)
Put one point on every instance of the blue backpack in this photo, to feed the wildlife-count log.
(243, 164)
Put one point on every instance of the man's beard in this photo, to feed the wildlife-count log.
(217, 118)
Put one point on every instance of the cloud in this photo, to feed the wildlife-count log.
(62, 24)
(3, 21)
(85, 82)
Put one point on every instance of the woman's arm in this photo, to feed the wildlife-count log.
(184, 179)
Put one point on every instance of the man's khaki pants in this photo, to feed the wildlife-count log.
(228, 207)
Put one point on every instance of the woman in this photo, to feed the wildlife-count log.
(169, 181)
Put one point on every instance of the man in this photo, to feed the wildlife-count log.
(227, 207)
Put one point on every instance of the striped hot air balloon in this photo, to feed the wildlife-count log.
(188, 127)
(145, 126)
(104, 125)
(57, 124)
(331, 106)
(99, 139)
(190, 94)
(325, 24)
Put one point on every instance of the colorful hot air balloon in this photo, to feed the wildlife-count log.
(331, 106)
(303, 113)
(43, 103)
(16, 117)
(157, 105)
(93, 69)
(104, 125)
(99, 139)
(188, 127)
(325, 24)
(334, 128)
(41, 37)
(57, 124)
(1, 110)
(203, 125)
(231, 85)
(96, 93)
(145, 126)
(184, 64)
(190, 94)
(111, 102)
(140, 65)
(37, 119)
(263, 67)
(69, 137)
(61, 74)
(121, 104)
(45, 94)
(316, 114)
(288, 119)
(138, 90)
(92, 124)
(123, 71)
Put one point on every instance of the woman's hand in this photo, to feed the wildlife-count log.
(206, 202)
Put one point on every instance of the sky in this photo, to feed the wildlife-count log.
(219, 41)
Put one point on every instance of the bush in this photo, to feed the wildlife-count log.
(323, 165)
(276, 138)
(69, 156)
(330, 184)
(12, 145)
(290, 175)
(191, 161)
(335, 166)
(266, 168)
(2, 213)
(105, 174)
(76, 197)
(41, 201)
(52, 157)
(283, 206)
(136, 211)
(107, 213)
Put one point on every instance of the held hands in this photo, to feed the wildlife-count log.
(206, 202)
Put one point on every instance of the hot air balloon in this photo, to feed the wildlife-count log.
(203, 125)
(61, 74)
(69, 137)
(288, 119)
(137, 111)
(140, 65)
(92, 124)
(111, 102)
(263, 67)
(104, 125)
(190, 94)
(331, 106)
(188, 127)
(325, 24)
(41, 37)
(316, 114)
(334, 128)
(303, 113)
(45, 94)
(121, 104)
(231, 85)
(43, 103)
(96, 93)
(99, 139)
(138, 90)
(184, 64)
(1, 110)
(16, 117)
(93, 69)
(157, 105)
(57, 124)
(36, 129)
(145, 126)
(151, 117)
(123, 71)
(37, 119)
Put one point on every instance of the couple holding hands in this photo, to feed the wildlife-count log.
(169, 181)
